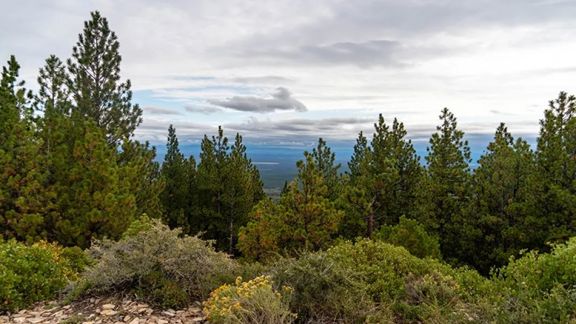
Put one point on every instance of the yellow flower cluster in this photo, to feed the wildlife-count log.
(227, 302)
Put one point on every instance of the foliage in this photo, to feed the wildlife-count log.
(503, 208)
(33, 273)
(157, 264)
(94, 82)
(228, 187)
(254, 301)
(22, 205)
(377, 282)
(411, 235)
(303, 219)
(445, 191)
(179, 176)
(539, 287)
(383, 179)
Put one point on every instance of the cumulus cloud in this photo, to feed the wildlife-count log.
(280, 100)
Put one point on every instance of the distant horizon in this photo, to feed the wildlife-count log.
(277, 162)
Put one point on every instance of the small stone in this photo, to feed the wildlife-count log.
(169, 312)
(161, 321)
(135, 321)
(197, 319)
(108, 306)
(126, 318)
(108, 312)
(35, 320)
(89, 322)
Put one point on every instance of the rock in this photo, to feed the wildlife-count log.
(35, 320)
(135, 321)
(108, 312)
(169, 312)
(108, 306)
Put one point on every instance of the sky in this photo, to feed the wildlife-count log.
(287, 71)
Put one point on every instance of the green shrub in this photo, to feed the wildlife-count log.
(411, 235)
(254, 301)
(375, 281)
(539, 287)
(323, 290)
(158, 264)
(33, 273)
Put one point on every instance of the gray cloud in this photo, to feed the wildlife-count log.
(281, 100)
(160, 111)
(266, 79)
(363, 54)
(207, 110)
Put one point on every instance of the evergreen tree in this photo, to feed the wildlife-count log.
(304, 219)
(93, 199)
(141, 171)
(503, 204)
(325, 159)
(94, 81)
(384, 178)
(175, 174)
(21, 176)
(446, 190)
(229, 186)
(556, 156)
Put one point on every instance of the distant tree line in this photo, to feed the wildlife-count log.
(71, 171)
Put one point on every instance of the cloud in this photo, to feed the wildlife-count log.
(160, 111)
(266, 79)
(363, 54)
(207, 110)
(281, 100)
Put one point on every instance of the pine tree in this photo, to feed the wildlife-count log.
(383, 178)
(446, 190)
(229, 186)
(304, 218)
(94, 81)
(325, 159)
(503, 202)
(93, 198)
(556, 156)
(175, 174)
(21, 177)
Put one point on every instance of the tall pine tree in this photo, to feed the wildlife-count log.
(94, 81)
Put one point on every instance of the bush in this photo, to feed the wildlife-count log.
(411, 235)
(254, 302)
(373, 281)
(33, 273)
(539, 287)
(160, 265)
(324, 292)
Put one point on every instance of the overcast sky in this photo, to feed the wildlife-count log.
(283, 70)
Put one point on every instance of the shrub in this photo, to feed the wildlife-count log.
(539, 287)
(411, 235)
(254, 301)
(33, 273)
(324, 292)
(159, 264)
(373, 281)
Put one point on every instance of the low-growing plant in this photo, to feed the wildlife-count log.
(33, 273)
(253, 302)
(160, 265)
(539, 287)
(373, 281)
